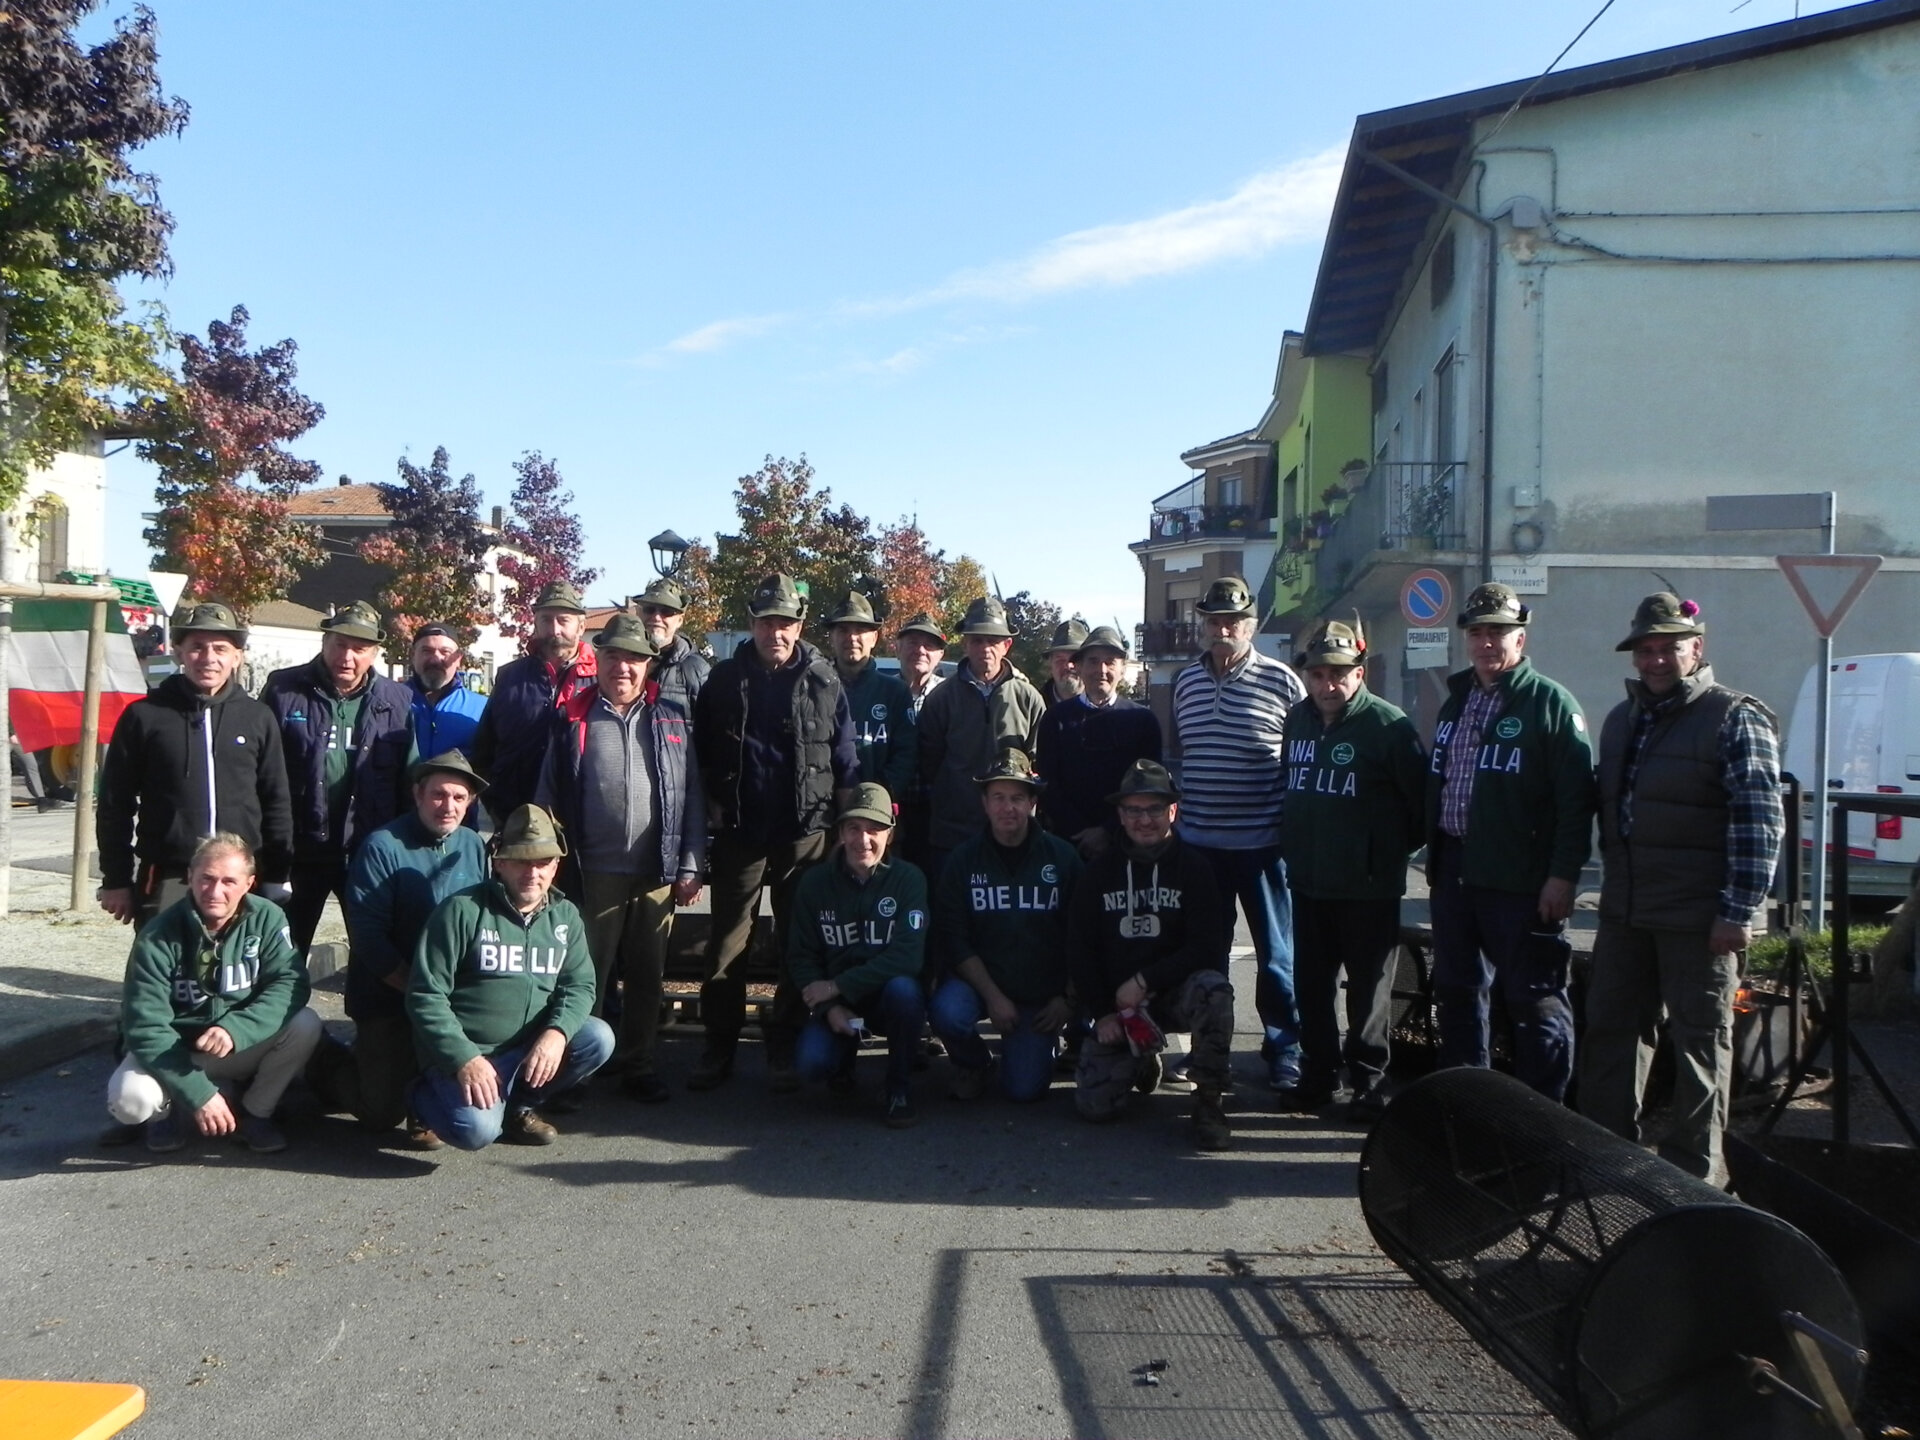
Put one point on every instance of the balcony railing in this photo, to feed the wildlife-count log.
(1190, 522)
(1402, 505)
(1162, 638)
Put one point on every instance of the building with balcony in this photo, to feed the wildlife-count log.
(1585, 304)
(1219, 522)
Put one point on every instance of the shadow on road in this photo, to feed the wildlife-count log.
(1297, 1352)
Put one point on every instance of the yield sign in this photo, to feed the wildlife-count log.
(1827, 585)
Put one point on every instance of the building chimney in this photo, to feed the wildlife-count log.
(499, 517)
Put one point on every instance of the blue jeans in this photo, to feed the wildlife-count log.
(898, 1012)
(441, 1105)
(1486, 939)
(1026, 1055)
(1257, 880)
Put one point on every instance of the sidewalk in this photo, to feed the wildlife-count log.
(60, 970)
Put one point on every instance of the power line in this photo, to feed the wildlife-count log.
(1541, 79)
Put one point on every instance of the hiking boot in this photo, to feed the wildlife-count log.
(1210, 1128)
(1283, 1070)
(420, 1137)
(164, 1135)
(648, 1089)
(969, 1083)
(900, 1111)
(1307, 1097)
(1367, 1106)
(710, 1072)
(1147, 1073)
(119, 1134)
(523, 1127)
(259, 1134)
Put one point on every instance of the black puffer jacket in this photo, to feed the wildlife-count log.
(171, 755)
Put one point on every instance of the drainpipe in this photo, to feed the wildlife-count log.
(1434, 193)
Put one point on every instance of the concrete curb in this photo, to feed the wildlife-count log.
(56, 1043)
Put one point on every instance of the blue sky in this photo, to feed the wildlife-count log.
(995, 265)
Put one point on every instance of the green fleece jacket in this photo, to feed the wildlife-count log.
(181, 982)
(1009, 908)
(487, 978)
(1531, 813)
(1355, 796)
(860, 936)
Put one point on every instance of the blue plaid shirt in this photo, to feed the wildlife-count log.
(1750, 773)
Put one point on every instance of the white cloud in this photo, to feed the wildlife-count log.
(1275, 207)
(716, 336)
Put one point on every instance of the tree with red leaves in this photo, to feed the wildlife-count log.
(543, 542)
(434, 550)
(909, 570)
(789, 527)
(217, 435)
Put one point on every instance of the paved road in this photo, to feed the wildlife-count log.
(731, 1264)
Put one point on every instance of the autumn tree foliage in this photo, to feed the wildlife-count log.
(542, 527)
(75, 217)
(908, 569)
(962, 581)
(434, 550)
(217, 435)
(787, 526)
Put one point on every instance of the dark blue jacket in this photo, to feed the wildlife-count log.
(301, 698)
(511, 743)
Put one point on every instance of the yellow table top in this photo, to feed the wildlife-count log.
(67, 1409)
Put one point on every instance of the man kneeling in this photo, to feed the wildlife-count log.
(502, 997)
(1001, 920)
(215, 992)
(1147, 947)
(859, 940)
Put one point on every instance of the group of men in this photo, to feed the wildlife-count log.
(939, 851)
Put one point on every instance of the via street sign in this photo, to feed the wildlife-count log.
(1426, 598)
(1827, 585)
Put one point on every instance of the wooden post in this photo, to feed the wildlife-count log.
(89, 744)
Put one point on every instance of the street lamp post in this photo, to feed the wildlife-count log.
(667, 550)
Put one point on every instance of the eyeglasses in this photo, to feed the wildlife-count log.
(1142, 812)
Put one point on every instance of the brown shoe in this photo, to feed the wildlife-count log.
(523, 1127)
(420, 1137)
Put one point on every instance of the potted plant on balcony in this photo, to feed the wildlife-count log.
(1320, 524)
(1333, 494)
(1429, 513)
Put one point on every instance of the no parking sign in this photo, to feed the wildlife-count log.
(1427, 598)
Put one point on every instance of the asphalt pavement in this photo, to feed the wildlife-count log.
(733, 1263)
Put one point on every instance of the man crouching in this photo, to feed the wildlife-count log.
(214, 992)
(1147, 949)
(502, 997)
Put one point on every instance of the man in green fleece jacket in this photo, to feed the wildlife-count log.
(502, 997)
(1000, 917)
(1356, 788)
(1510, 807)
(857, 945)
(215, 992)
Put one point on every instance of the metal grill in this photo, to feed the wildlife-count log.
(1631, 1297)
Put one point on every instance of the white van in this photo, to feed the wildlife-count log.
(1873, 746)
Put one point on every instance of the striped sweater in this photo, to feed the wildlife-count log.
(1231, 736)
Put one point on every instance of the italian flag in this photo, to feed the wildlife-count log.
(47, 671)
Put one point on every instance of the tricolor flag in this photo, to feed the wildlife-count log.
(47, 671)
